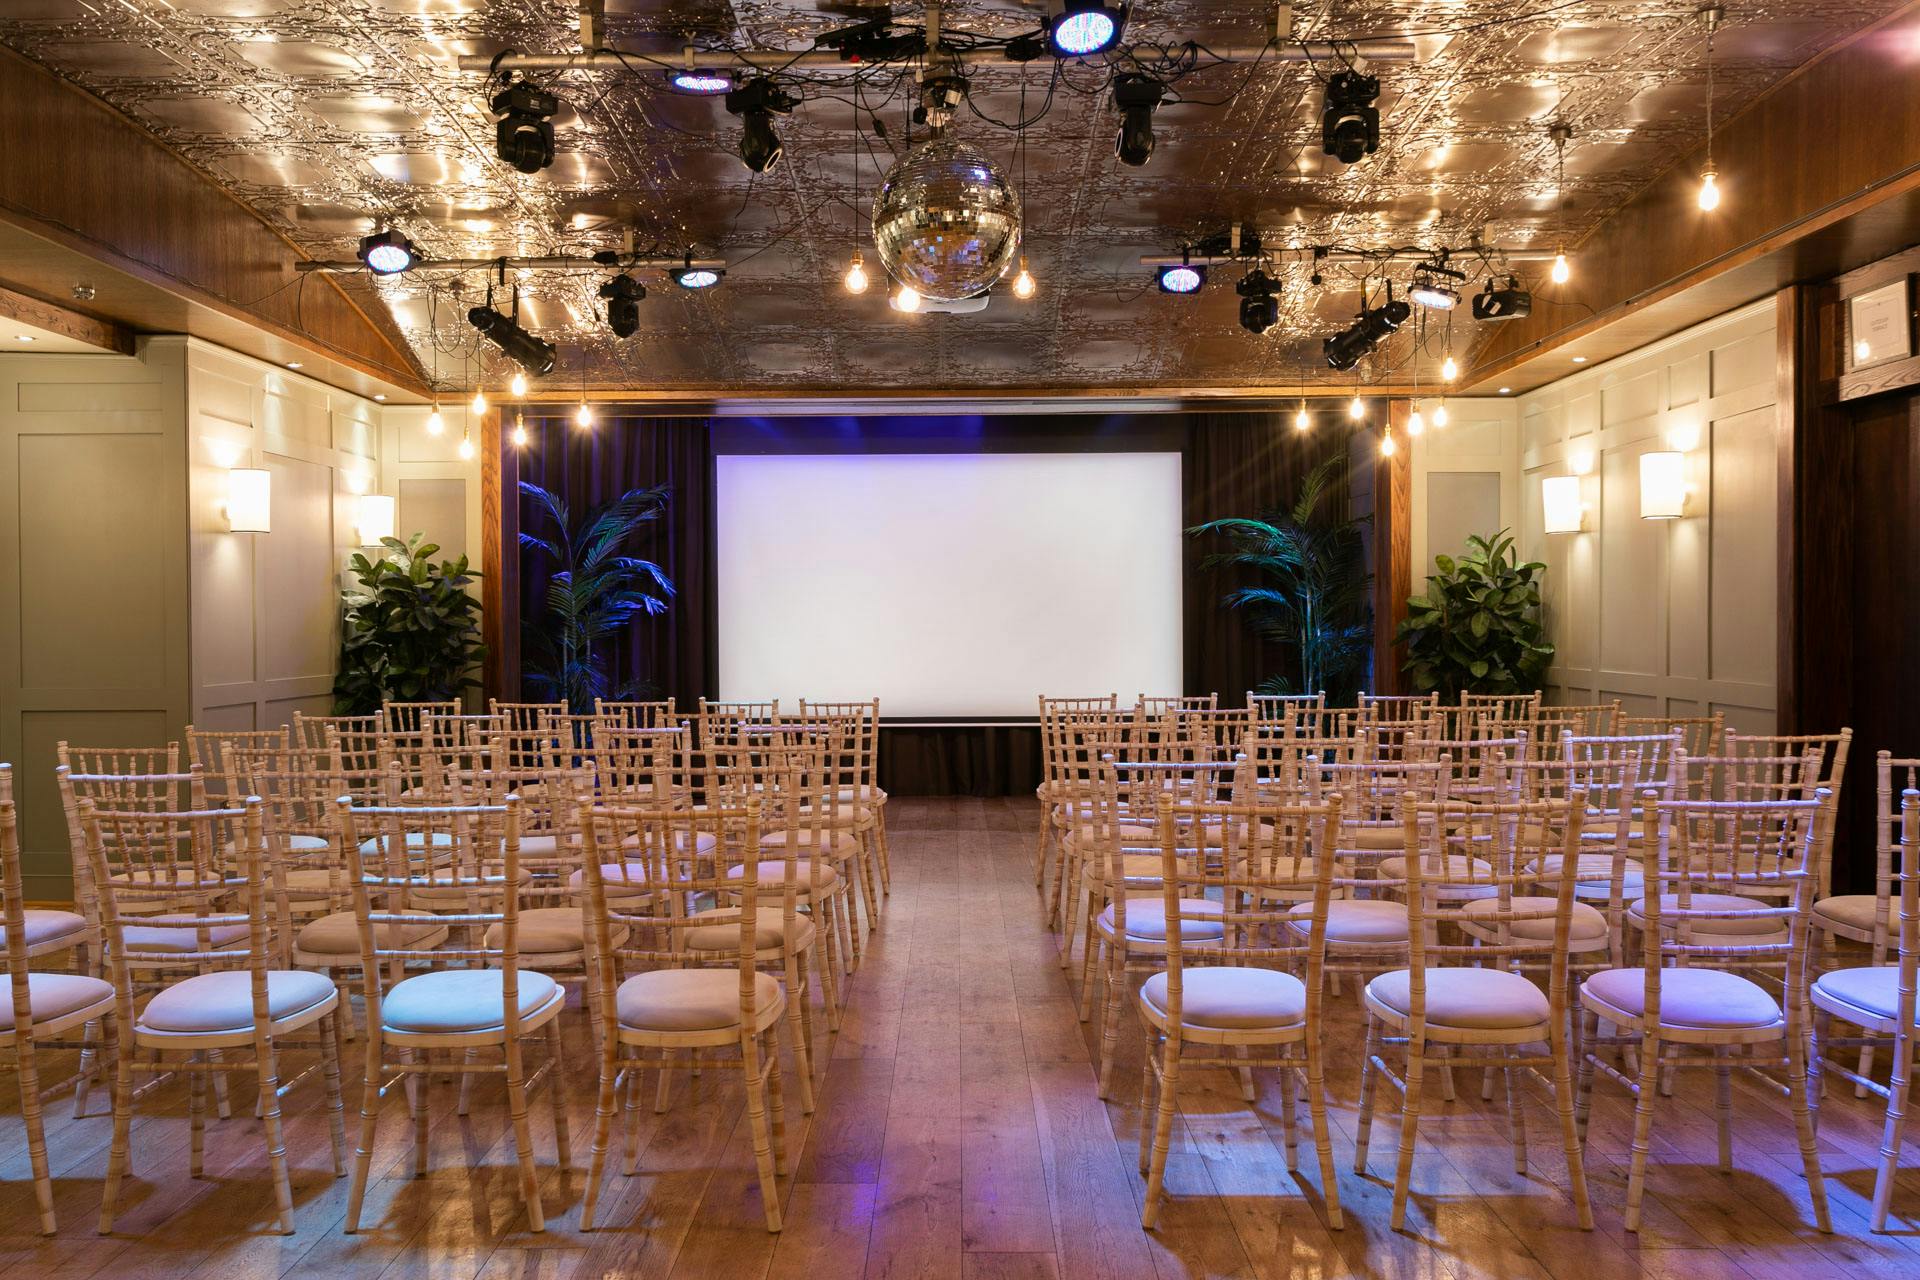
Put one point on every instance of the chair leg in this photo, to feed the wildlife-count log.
(776, 1102)
(602, 1129)
(330, 1067)
(1563, 1106)
(89, 1063)
(522, 1134)
(1112, 995)
(663, 1084)
(1162, 1133)
(1322, 1139)
(267, 1067)
(799, 1042)
(467, 1059)
(1646, 1089)
(1143, 1130)
(1369, 1084)
(1898, 1090)
(829, 980)
(1287, 1115)
(1089, 971)
(1516, 1121)
(1723, 1108)
(36, 1133)
(557, 1091)
(631, 1129)
(1040, 853)
(369, 1122)
(1800, 1085)
(122, 1125)
(762, 1140)
(1409, 1132)
(197, 1115)
(417, 1102)
(1583, 1096)
(886, 855)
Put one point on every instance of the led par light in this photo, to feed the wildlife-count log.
(1085, 27)
(388, 253)
(1181, 277)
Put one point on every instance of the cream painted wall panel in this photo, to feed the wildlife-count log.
(438, 509)
(106, 396)
(1633, 573)
(1745, 579)
(43, 824)
(1746, 361)
(1631, 398)
(295, 575)
(1481, 440)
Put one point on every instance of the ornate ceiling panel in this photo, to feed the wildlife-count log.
(335, 117)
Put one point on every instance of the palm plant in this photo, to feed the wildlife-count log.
(1313, 600)
(594, 591)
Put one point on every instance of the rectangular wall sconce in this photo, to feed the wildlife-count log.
(1560, 506)
(375, 518)
(1663, 485)
(249, 500)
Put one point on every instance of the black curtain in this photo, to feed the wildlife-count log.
(1232, 464)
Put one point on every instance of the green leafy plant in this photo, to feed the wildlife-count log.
(1478, 628)
(1313, 599)
(410, 631)
(594, 591)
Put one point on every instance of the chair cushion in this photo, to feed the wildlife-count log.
(455, 1000)
(1850, 910)
(622, 880)
(1533, 919)
(306, 884)
(547, 931)
(48, 928)
(839, 841)
(1733, 925)
(339, 935)
(768, 931)
(144, 937)
(1147, 919)
(1357, 921)
(458, 895)
(1873, 989)
(54, 995)
(689, 999)
(1377, 839)
(773, 875)
(1457, 870)
(1595, 868)
(224, 1001)
(864, 794)
(1689, 997)
(1224, 998)
(1130, 833)
(1474, 999)
(296, 843)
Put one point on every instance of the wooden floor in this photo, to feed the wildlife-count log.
(958, 1135)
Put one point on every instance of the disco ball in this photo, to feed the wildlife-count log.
(946, 223)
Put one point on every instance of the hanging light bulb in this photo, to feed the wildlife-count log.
(583, 416)
(1023, 284)
(1357, 410)
(519, 384)
(856, 277)
(1440, 415)
(1416, 423)
(1300, 420)
(479, 404)
(519, 432)
(1449, 368)
(466, 448)
(435, 423)
(1561, 272)
(1709, 191)
(1387, 447)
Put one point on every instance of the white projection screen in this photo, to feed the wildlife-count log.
(949, 585)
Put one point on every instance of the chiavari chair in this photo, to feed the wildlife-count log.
(1078, 745)
(1699, 735)
(43, 1009)
(1386, 708)
(1463, 994)
(794, 768)
(1498, 706)
(245, 995)
(1830, 770)
(1314, 722)
(1593, 720)
(721, 723)
(637, 715)
(1705, 932)
(1064, 779)
(206, 748)
(1235, 998)
(524, 717)
(1873, 918)
(685, 997)
(1617, 773)
(858, 723)
(310, 732)
(1879, 1000)
(411, 717)
(1160, 706)
(1273, 709)
(401, 861)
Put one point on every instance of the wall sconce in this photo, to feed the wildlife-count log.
(249, 500)
(1663, 485)
(1560, 506)
(375, 518)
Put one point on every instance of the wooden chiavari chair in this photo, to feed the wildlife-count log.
(43, 1009)
(1274, 709)
(1873, 918)
(310, 732)
(1386, 708)
(1830, 770)
(1879, 1000)
(411, 717)
(1702, 922)
(245, 995)
(688, 997)
(1079, 744)
(1063, 780)
(1234, 999)
(1617, 773)
(637, 715)
(857, 725)
(1499, 706)
(524, 717)
(1464, 995)
(1699, 735)
(1160, 706)
(721, 723)
(420, 855)
(206, 748)
(1595, 720)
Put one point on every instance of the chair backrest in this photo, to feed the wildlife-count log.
(1387, 740)
(1271, 708)
(1894, 780)
(1498, 706)
(13, 898)
(411, 717)
(296, 796)
(858, 724)
(721, 723)
(1588, 720)
(641, 767)
(207, 748)
(637, 715)
(126, 761)
(1371, 793)
(1384, 708)
(1699, 735)
(310, 732)
(1158, 706)
(1074, 733)
(524, 717)
(1830, 765)
(1618, 769)
(1908, 934)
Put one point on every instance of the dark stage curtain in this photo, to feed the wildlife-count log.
(1232, 464)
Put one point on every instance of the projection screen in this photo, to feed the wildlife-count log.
(949, 585)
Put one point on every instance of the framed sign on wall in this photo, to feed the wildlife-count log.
(1879, 325)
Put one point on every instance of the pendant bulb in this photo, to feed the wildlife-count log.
(435, 423)
(1440, 415)
(466, 448)
(1709, 191)
(1416, 423)
(856, 277)
(1387, 447)
(1301, 420)
(479, 404)
(1449, 368)
(519, 384)
(1023, 284)
(1357, 410)
(1561, 271)
(583, 416)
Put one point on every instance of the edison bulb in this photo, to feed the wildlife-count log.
(1387, 447)
(519, 384)
(435, 423)
(1301, 421)
(1561, 271)
(906, 299)
(1357, 410)
(583, 416)
(1709, 191)
(466, 448)
(1023, 284)
(519, 433)
(1416, 424)
(1449, 368)
(856, 277)
(1440, 415)
(479, 404)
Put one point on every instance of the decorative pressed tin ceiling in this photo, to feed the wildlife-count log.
(335, 117)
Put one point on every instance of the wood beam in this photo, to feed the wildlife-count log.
(68, 323)
(499, 561)
(1383, 488)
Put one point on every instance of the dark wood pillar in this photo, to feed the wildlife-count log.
(1383, 488)
(499, 561)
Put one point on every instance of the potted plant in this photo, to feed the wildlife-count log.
(410, 629)
(1478, 627)
(594, 590)
(1313, 598)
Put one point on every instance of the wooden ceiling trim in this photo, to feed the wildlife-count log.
(113, 192)
(66, 322)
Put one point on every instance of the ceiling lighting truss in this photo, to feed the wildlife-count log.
(558, 262)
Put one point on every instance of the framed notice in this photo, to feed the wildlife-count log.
(1878, 326)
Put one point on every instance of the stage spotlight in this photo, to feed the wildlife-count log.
(1136, 96)
(524, 133)
(695, 277)
(521, 347)
(1084, 27)
(1349, 122)
(1427, 293)
(1182, 278)
(1510, 303)
(623, 294)
(1259, 305)
(388, 253)
(1344, 349)
(705, 84)
(755, 102)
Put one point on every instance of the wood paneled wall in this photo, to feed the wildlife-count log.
(1669, 616)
